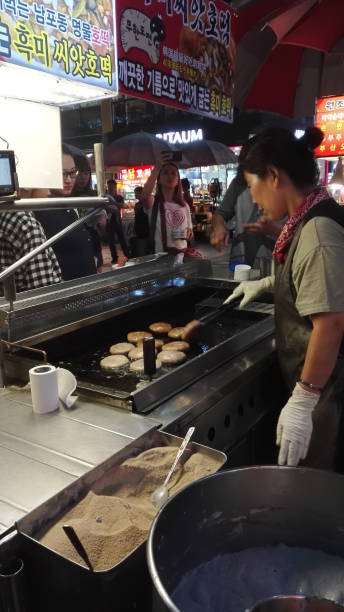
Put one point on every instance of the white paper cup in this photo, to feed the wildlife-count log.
(242, 272)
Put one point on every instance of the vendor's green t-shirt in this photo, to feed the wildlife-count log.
(318, 267)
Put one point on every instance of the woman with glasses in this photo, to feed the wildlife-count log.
(74, 252)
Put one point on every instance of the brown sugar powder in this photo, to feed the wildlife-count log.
(115, 517)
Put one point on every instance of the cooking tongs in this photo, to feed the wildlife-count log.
(193, 328)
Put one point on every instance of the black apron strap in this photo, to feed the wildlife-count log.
(326, 208)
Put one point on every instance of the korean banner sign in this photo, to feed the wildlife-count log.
(73, 39)
(330, 119)
(179, 53)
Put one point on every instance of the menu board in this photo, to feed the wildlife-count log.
(73, 39)
(179, 53)
(330, 119)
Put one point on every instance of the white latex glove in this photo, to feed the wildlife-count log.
(251, 289)
(295, 426)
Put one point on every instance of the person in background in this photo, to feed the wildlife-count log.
(112, 191)
(215, 189)
(20, 233)
(186, 192)
(114, 226)
(169, 215)
(254, 234)
(282, 175)
(141, 225)
(83, 188)
(74, 252)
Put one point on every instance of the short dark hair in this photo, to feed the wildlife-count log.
(112, 182)
(279, 147)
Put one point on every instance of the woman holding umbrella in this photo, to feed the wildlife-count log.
(281, 173)
(169, 215)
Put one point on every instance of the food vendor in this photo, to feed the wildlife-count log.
(282, 175)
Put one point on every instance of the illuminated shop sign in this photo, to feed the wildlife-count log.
(182, 137)
(330, 119)
(139, 174)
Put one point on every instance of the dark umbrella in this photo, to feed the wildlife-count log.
(138, 149)
(288, 54)
(207, 153)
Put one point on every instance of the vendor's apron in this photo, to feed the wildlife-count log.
(292, 336)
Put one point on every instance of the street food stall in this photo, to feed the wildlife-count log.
(223, 388)
(81, 451)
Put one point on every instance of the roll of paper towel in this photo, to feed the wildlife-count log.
(48, 385)
(44, 389)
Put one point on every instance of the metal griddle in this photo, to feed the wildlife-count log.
(76, 323)
(121, 388)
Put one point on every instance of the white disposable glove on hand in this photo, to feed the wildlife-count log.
(295, 426)
(251, 289)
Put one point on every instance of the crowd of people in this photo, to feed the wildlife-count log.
(80, 253)
(163, 222)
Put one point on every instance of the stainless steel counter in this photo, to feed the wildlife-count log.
(41, 454)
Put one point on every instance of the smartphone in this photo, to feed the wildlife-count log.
(175, 155)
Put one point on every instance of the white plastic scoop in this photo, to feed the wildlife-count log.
(160, 495)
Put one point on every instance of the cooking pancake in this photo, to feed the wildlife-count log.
(176, 333)
(158, 344)
(121, 348)
(139, 367)
(178, 345)
(114, 362)
(136, 336)
(172, 358)
(160, 328)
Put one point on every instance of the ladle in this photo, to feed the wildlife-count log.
(160, 495)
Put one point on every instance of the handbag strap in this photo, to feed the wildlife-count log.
(152, 225)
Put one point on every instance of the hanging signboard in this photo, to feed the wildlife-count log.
(73, 39)
(330, 119)
(179, 53)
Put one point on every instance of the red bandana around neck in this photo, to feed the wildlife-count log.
(287, 234)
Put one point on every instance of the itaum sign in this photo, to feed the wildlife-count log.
(182, 137)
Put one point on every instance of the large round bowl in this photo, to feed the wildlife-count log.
(246, 508)
(296, 603)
